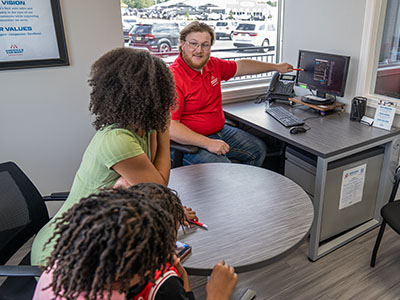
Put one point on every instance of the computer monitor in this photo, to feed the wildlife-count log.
(323, 72)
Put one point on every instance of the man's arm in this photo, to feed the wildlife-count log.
(182, 134)
(252, 67)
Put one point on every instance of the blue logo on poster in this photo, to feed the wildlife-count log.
(14, 50)
(13, 2)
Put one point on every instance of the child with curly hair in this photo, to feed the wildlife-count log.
(132, 92)
(117, 242)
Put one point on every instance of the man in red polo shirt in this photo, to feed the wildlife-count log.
(198, 118)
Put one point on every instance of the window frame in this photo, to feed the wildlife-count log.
(374, 20)
(252, 88)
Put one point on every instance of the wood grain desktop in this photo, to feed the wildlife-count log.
(254, 216)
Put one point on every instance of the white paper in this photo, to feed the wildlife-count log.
(27, 31)
(384, 116)
(352, 186)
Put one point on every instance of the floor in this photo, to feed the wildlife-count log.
(342, 274)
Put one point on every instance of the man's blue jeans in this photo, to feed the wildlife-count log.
(243, 147)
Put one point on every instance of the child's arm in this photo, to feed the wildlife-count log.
(140, 168)
(222, 282)
(183, 273)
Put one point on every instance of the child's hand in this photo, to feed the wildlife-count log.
(190, 215)
(222, 282)
(122, 182)
(183, 273)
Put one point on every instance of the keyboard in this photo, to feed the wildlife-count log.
(285, 117)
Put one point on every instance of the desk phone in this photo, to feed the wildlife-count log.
(281, 86)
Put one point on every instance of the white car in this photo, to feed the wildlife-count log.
(255, 34)
(132, 20)
(225, 29)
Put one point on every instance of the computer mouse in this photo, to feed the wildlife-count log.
(297, 129)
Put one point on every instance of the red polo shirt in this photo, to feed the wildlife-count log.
(199, 103)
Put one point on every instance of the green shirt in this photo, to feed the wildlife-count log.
(108, 147)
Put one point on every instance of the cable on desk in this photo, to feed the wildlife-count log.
(261, 99)
(314, 117)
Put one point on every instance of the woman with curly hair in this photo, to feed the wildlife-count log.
(132, 93)
(116, 244)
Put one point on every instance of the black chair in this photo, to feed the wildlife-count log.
(390, 213)
(276, 151)
(180, 150)
(22, 214)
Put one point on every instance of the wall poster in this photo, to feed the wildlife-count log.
(31, 34)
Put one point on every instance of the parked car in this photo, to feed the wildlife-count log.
(225, 29)
(244, 16)
(126, 28)
(156, 36)
(254, 35)
(132, 20)
(182, 24)
(214, 16)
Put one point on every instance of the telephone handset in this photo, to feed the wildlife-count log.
(281, 86)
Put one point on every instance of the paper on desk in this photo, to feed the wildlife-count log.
(384, 115)
(352, 186)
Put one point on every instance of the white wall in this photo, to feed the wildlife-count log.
(44, 117)
(325, 26)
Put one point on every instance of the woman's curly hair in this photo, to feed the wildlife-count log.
(132, 89)
(108, 238)
(165, 197)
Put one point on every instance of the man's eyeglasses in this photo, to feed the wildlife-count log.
(194, 45)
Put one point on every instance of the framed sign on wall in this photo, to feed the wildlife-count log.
(31, 34)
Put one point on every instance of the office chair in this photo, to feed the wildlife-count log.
(275, 158)
(390, 213)
(22, 214)
(180, 150)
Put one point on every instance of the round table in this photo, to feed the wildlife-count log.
(254, 216)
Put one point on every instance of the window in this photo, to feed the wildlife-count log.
(387, 79)
(379, 71)
(244, 29)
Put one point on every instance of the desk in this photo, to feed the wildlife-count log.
(255, 216)
(330, 138)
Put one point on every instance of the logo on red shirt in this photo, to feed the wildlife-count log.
(214, 80)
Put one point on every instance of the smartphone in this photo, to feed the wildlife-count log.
(182, 249)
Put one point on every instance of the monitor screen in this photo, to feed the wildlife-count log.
(323, 72)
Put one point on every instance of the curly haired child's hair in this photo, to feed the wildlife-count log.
(132, 89)
(165, 197)
(108, 238)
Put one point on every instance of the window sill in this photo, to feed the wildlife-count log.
(246, 90)
(373, 101)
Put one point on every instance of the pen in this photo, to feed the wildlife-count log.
(199, 224)
(298, 69)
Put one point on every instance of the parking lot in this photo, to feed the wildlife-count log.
(229, 51)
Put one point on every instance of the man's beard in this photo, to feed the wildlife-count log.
(194, 62)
